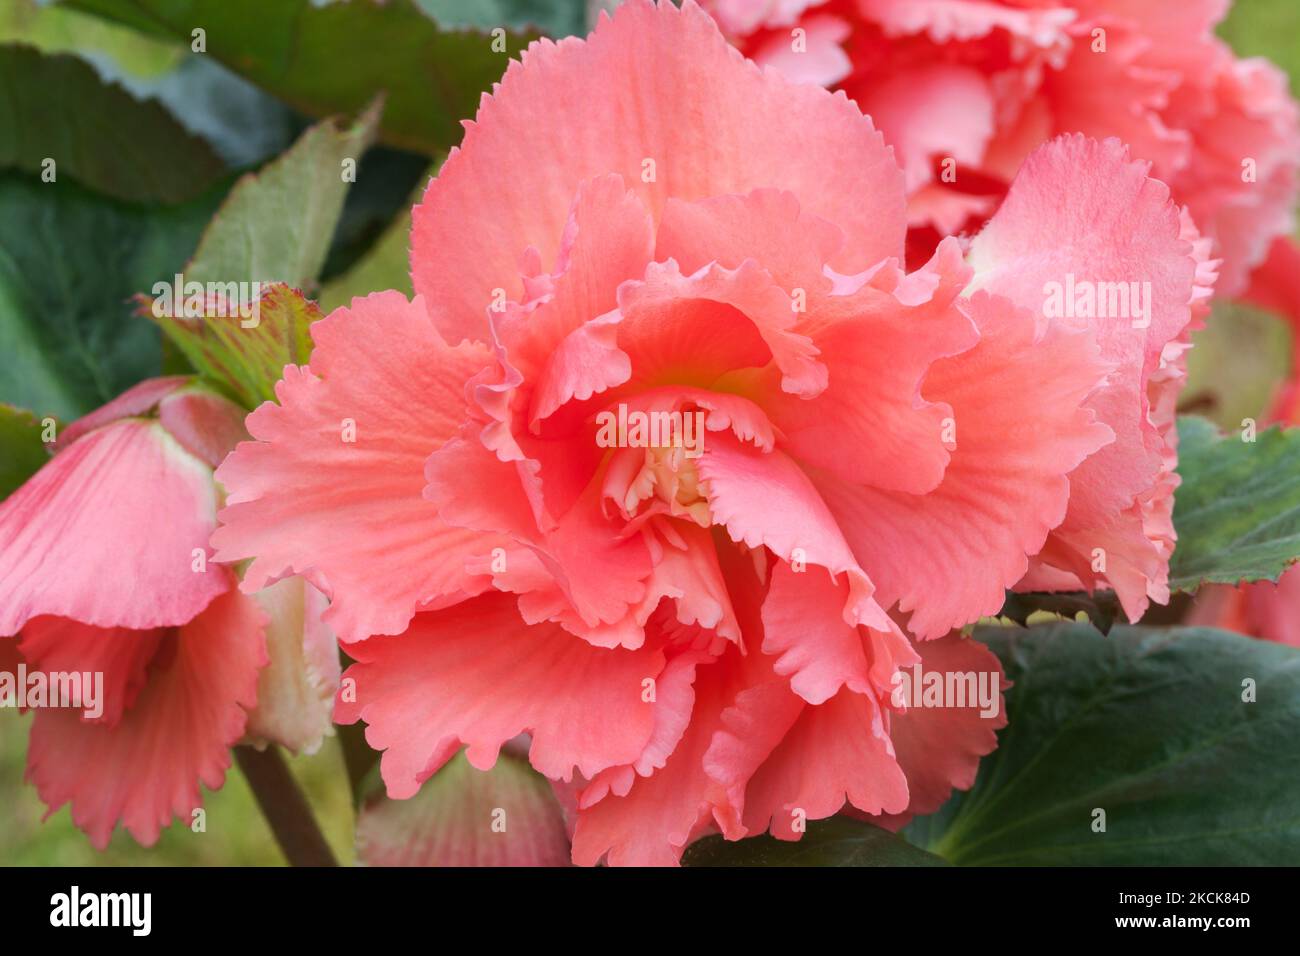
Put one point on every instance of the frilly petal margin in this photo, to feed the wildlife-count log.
(332, 487)
(146, 769)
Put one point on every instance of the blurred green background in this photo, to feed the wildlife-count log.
(1241, 358)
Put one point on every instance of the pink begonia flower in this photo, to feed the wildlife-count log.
(105, 568)
(1264, 609)
(703, 642)
(978, 84)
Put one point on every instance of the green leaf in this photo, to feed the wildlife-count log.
(839, 841)
(55, 109)
(1148, 725)
(248, 361)
(334, 58)
(21, 450)
(506, 816)
(70, 260)
(276, 224)
(1237, 510)
(274, 228)
(241, 123)
(57, 29)
(555, 18)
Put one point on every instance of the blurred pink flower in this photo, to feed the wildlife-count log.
(980, 83)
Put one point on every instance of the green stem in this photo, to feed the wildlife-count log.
(359, 759)
(285, 808)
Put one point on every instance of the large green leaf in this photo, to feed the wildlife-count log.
(839, 841)
(57, 113)
(274, 228)
(70, 260)
(55, 29)
(243, 124)
(276, 224)
(555, 18)
(1149, 726)
(333, 58)
(21, 450)
(1237, 511)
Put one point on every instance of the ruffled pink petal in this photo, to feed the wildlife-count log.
(1019, 428)
(877, 338)
(947, 211)
(348, 514)
(805, 630)
(766, 225)
(113, 532)
(558, 586)
(653, 822)
(687, 571)
(723, 411)
(674, 707)
(939, 748)
(751, 728)
(146, 769)
(587, 361)
(120, 654)
(511, 184)
(586, 537)
(765, 499)
(675, 336)
(836, 753)
(476, 675)
(561, 346)
(1081, 212)
(749, 290)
